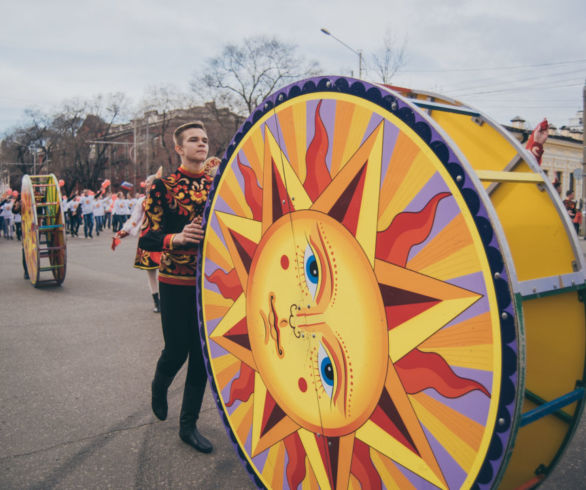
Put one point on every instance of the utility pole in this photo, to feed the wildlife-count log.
(135, 153)
(583, 160)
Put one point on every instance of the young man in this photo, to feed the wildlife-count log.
(172, 225)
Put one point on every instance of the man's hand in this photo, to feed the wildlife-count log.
(192, 234)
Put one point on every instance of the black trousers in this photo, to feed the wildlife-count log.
(182, 341)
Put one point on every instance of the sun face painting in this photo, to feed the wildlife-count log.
(350, 319)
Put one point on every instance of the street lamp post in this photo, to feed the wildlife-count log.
(357, 52)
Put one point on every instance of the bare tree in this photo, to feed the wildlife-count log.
(241, 76)
(61, 142)
(390, 59)
(163, 100)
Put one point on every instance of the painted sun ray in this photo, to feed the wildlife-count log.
(273, 468)
(216, 251)
(421, 462)
(225, 368)
(418, 175)
(457, 448)
(286, 171)
(463, 427)
(461, 263)
(247, 228)
(451, 239)
(310, 481)
(221, 335)
(361, 117)
(241, 419)
(215, 304)
(472, 331)
(470, 356)
(253, 149)
(288, 122)
(390, 475)
(344, 112)
(374, 436)
(269, 423)
(367, 159)
(398, 167)
(234, 197)
(452, 301)
(308, 439)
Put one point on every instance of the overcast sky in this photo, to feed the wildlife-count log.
(506, 58)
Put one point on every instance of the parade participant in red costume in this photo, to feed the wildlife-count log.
(537, 140)
(148, 261)
(172, 225)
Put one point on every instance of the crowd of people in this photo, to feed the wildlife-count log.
(97, 211)
(10, 215)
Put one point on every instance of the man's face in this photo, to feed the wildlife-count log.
(194, 147)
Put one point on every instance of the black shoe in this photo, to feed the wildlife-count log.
(191, 436)
(157, 308)
(159, 388)
(192, 398)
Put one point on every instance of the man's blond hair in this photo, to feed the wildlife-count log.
(178, 133)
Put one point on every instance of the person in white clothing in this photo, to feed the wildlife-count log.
(8, 218)
(87, 210)
(119, 212)
(148, 261)
(99, 214)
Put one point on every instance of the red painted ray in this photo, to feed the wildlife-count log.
(363, 468)
(252, 191)
(318, 176)
(387, 417)
(239, 334)
(246, 248)
(402, 305)
(228, 283)
(243, 386)
(296, 456)
(328, 450)
(281, 202)
(346, 210)
(420, 370)
(272, 414)
(406, 230)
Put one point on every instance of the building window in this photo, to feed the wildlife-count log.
(558, 176)
(572, 181)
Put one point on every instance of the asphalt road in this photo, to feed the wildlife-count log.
(76, 363)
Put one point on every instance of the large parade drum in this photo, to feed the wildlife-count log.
(389, 295)
(43, 229)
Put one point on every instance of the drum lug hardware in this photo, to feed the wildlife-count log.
(478, 120)
(541, 470)
(574, 266)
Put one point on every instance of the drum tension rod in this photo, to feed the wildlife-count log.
(533, 398)
(552, 406)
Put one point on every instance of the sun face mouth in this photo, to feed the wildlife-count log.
(271, 325)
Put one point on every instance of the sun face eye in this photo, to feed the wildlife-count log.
(311, 271)
(326, 369)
